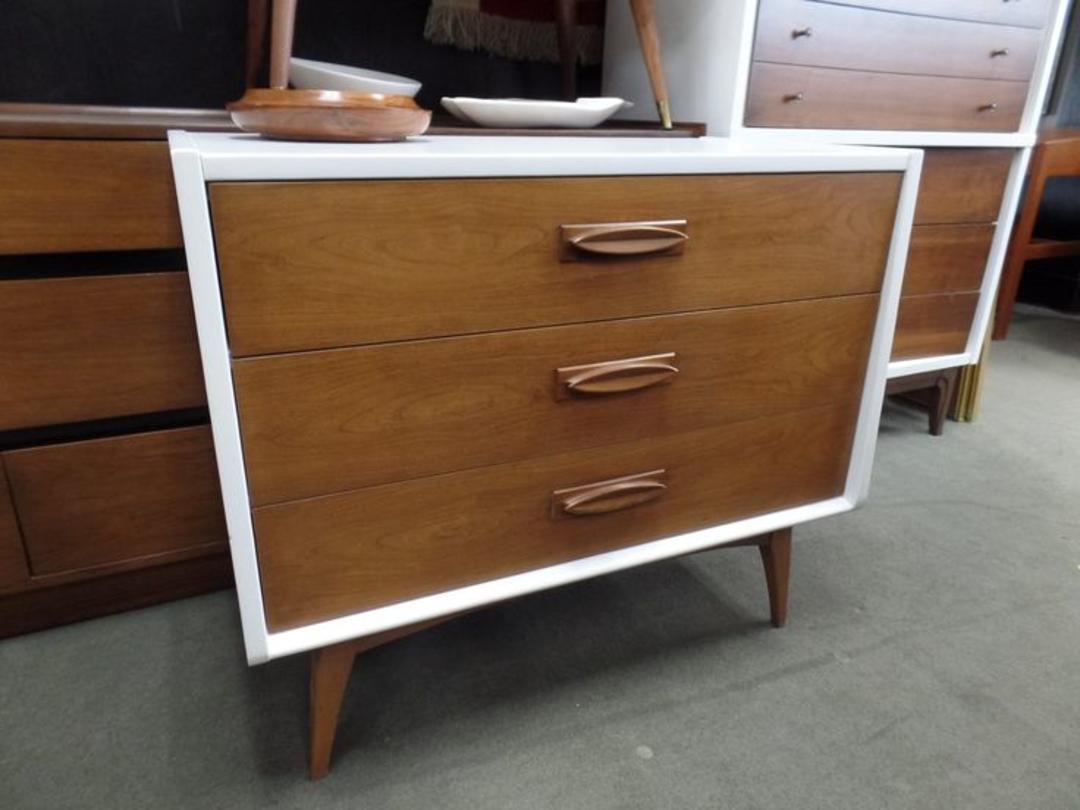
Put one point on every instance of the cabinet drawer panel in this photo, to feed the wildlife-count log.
(1030, 13)
(962, 185)
(824, 35)
(76, 349)
(947, 258)
(329, 556)
(107, 501)
(59, 196)
(323, 422)
(319, 265)
(13, 570)
(828, 98)
(931, 325)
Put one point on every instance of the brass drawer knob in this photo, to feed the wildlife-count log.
(604, 497)
(793, 98)
(802, 32)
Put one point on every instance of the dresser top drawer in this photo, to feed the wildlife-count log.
(827, 35)
(59, 196)
(962, 185)
(318, 265)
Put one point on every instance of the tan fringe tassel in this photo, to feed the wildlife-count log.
(471, 30)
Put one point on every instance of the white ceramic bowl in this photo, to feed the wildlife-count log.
(515, 113)
(307, 74)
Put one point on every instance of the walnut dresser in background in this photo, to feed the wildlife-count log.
(963, 79)
(108, 488)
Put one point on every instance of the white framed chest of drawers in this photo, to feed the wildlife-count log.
(455, 371)
(966, 80)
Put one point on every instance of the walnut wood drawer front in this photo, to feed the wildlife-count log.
(321, 422)
(962, 185)
(931, 325)
(830, 98)
(59, 196)
(800, 32)
(126, 501)
(319, 265)
(947, 258)
(77, 349)
(329, 556)
(1030, 13)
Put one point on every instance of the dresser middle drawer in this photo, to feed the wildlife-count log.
(323, 422)
(328, 264)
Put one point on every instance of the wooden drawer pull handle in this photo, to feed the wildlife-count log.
(625, 238)
(615, 376)
(604, 497)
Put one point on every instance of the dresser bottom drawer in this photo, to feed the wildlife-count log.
(932, 325)
(330, 556)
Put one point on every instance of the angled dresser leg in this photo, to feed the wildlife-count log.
(330, 669)
(776, 557)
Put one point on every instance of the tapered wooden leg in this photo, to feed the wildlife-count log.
(776, 557)
(330, 669)
(566, 30)
(941, 400)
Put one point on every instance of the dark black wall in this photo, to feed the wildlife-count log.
(190, 53)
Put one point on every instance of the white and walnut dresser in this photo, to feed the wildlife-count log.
(454, 371)
(964, 79)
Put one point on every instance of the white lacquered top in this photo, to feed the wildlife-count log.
(248, 157)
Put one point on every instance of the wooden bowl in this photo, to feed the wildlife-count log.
(328, 115)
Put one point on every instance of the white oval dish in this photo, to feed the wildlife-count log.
(308, 74)
(515, 113)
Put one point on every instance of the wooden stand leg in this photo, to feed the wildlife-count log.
(330, 669)
(776, 557)
(566, 30)
(941, 400)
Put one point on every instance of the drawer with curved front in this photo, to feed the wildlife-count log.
(310, 265)
(830, 98)
(326, 557)
(799, 32)
(321, 422)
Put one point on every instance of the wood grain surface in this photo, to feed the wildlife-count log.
(319, 265)
(76, 195)
(323, 422)
(947, 258)
(326, 557)
(76, 349)
(13, 568)
(109, 501)
(829, 98)
(931, 325)
(828, 35)
(962, 185)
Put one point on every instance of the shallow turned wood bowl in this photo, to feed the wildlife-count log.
(328, 115)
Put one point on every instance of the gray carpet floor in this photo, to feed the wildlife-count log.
(932, 661)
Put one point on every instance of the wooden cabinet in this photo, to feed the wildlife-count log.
(109, 493)
(433, 398)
